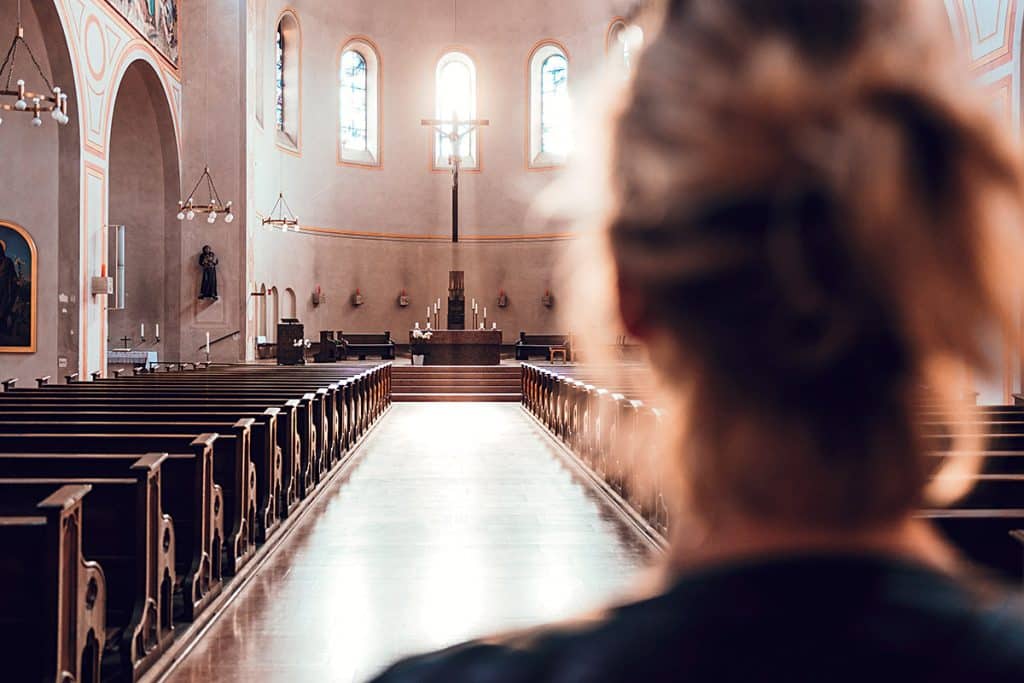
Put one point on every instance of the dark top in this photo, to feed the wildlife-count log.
(826, 618)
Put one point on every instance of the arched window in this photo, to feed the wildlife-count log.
(288, 81)
(456, 97)
(359, 83)
(279, 80)
(550, 132)
(623, 43)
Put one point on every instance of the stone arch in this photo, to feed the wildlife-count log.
(144, 185)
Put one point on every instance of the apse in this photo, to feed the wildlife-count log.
(144, 190)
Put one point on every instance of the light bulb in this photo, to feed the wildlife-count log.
(181, 215)
(190, 215)
(36, 122)
(64, 118)
(1, 121)
(212, 218)
(229, 218)
(21, 105)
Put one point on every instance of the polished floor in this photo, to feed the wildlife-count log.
(457, 521)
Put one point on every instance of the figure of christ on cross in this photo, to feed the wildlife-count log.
(455, 130)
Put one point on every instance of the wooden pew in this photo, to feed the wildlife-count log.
(232, 468)
(125, 530)
(53, 600)
(189, 494)
(266, 452)
(312, 419)
(291, 415)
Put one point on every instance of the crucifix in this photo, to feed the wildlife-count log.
(454, 130)
(126, 341)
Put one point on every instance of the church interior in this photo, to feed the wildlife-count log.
(308, 364)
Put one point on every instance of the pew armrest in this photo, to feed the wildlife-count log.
(43, 381)
(71, 379)
(9, 383)
(96, 376)
(118, 373)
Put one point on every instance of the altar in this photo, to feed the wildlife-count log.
(459, 347)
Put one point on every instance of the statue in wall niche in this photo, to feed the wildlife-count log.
(208, 262)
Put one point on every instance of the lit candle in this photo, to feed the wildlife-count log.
(494, 326)
(485, 313)
(158, 330)
(142, 331)
(428, 312)
(207, 343)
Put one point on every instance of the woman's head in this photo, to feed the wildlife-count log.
(808, 229)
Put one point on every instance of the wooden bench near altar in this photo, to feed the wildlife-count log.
(460, 347)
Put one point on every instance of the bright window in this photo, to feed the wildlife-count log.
(354, 102)
(624, 44)
(554, 105)
(456, 98)
(359, 104)
(550, 117)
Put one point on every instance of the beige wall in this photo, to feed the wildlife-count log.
(404, 197)
(39, 191)
(380, 269)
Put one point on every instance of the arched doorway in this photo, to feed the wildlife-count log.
(273, 313)
(144, 190)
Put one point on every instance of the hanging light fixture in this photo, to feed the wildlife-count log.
(281, 216)
(213, 206)
(187, 208)
(55, 103)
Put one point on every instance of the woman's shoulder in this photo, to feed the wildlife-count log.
(901, 618)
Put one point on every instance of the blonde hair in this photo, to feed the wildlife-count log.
(818, 226)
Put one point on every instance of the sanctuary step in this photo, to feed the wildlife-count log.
(457, 384)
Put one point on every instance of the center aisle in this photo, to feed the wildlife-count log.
(458, 521)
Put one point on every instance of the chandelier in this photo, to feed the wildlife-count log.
(188, 208)
(281, 216)
(213, 206)
(55, 103)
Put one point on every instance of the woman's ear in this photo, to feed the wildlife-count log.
(633, 310)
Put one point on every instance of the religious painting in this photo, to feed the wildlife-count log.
(156, 20)
(18, 310)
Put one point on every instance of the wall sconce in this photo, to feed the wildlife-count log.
(403, 299)
(502, 299)
(318, 296)
(548, 300)
(357, 298)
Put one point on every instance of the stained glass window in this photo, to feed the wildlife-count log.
(354, 101)
(279, 80)
(554, 105)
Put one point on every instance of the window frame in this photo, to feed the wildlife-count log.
(615, 48)
(289, 139)
(471, 161)
(536, 158)
(371, 157)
